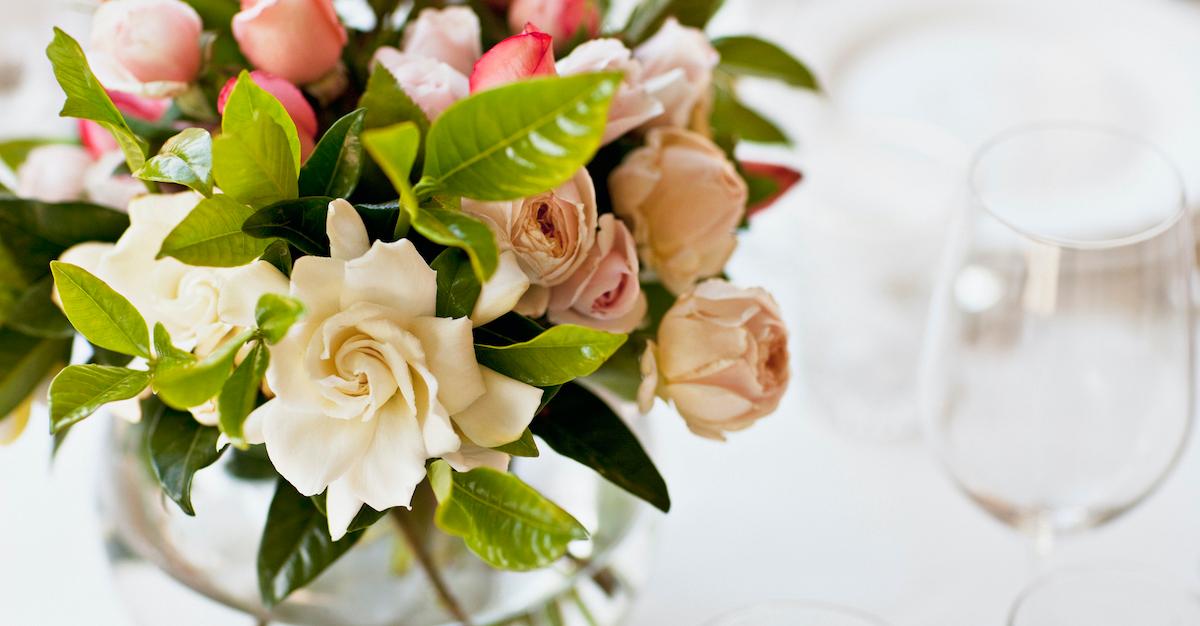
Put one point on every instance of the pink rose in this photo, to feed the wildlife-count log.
(53, 173)
(721, 358)
(152, 46)
(678, 63)
(297, 40)
(604, 293)
(290, 97)
(99, 141)
(450, 35)
(632, 106)
(519, 57)
(561, 19)
(433, 85)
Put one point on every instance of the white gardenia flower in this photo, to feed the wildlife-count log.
(370, 383)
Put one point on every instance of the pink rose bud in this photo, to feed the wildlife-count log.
(519, 57)
(297, 40)
(99, 141)
(678, 64)
(604, 293)
(431, 84)
(53, 173)
(561, 19)
(290, 97)
(153, 44)
(782, 176)
(450, 35)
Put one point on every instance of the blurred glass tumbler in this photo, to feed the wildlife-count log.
(878, 195)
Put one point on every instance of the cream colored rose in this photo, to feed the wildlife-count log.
(450, 35)
(604, 293)
(550, 233)
(721, 358)
(678, 64)
(632, 106)
(684, 201)
(432, 84)
(370, 383)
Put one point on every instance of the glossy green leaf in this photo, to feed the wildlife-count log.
(274, 314)
(334, 166)
(257, 157)
(395, 150)
(278, 254)
(751, 56)
(178, 446)
(505, 522)
(184, 385)
(732, 118)
(557, 356)
(456, 229)
(458, 287)
(523, 447)
(581, 426)
(296, 546)
(240, 394)
(32, 233)
(86, 98)
(185, 159)
(249, 108)
(24, 362)
(211, 235)
(79, 390)
(520, 139)
(102, 315)
(300, 222)
(649, 16)
(34, 313)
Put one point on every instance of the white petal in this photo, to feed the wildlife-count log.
(450, 356)
(86, 255)
(392, 275)
(471, 456)
(347, 233)
(502, 293)
(340, 507)
(241, 287)
(502, 414)
(309, 449)
(394, 464)
(317, 282)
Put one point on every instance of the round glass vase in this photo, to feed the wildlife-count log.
(197, 571)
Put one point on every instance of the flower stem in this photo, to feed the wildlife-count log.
(404, 522)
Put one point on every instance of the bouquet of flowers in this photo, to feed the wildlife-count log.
(393, 256)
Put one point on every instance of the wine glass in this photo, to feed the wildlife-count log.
(1056, 383)
(797, 613)
(1106, 597)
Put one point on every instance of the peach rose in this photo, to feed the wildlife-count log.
(293, 102)
(678, 63)
(632, 106)
(450, 35)
(561, 19)
(433, 85)
(735, 374)
(684, 200)
(550, 233)
(150, 46)
(297, 40)
(604, 293)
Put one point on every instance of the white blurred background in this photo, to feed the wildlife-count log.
(834, 498)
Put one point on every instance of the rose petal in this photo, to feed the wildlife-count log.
(502, 414)
(519, 57)
(309, 449)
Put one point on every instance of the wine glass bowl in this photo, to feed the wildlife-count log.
(1056, 383)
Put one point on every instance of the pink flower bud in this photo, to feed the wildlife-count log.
(521, 56)
(146, 42)
(298, 40)
(561, 19)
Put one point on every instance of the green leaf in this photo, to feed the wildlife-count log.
(395, 150)
(300, 222)
(250, 107)
(334, 166)
(649, 16)
(32, 233)
(458, 287)
(24, 362)
(102, 315)
(166, 355)
(211, 235)
(185, 159)
(178, 446)
(279, 255)
(523, 447)
(520, 139)
(79, 390)
(557, 356)
(581, 426)
(751, 56)
(732, 118)
(456, 229)
(86, 98)
(34, 313)
(274, 314)
(216, 14)
(253, 463)
(184, 385)
(296, 546)
(240, 394)
(502, 520)
(257, 156)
